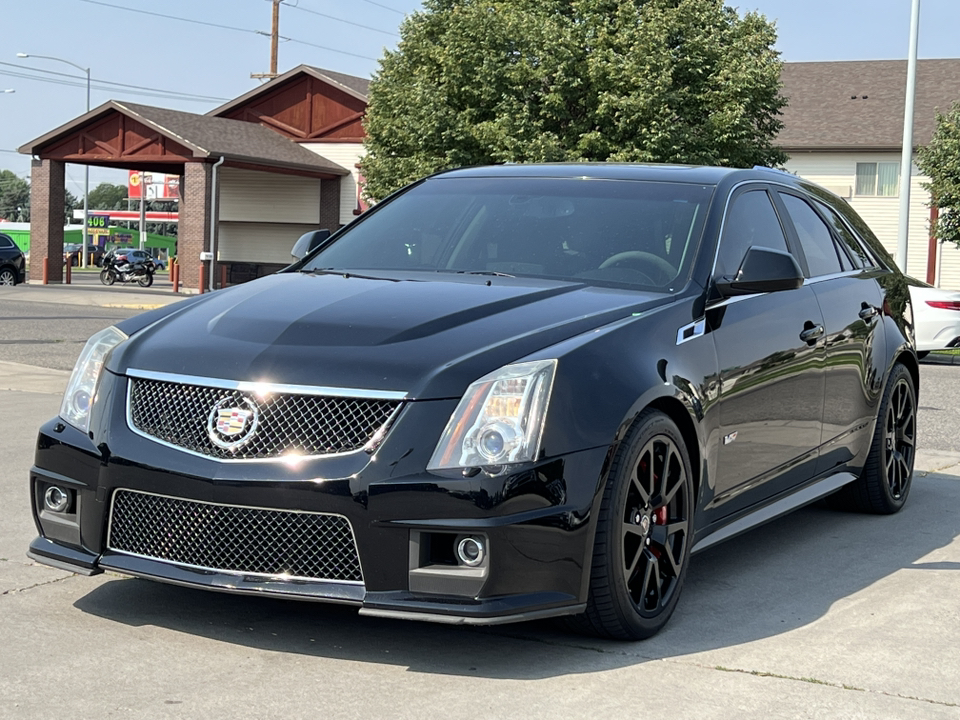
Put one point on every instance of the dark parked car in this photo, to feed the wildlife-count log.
(505, 393)
(71, 254)
(13, 267)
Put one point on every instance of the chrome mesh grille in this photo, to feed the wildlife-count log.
(232, 539)
(287, 424)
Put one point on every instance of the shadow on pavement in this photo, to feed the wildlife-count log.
(773, 580)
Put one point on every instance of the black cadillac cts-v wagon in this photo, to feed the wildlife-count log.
(504, 393)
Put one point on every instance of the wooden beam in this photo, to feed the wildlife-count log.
(267, 120)
(337, 125)
(146, 142)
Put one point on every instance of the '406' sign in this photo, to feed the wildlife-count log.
(98, 224)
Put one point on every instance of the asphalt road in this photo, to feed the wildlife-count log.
(50, 335)
(818, 615)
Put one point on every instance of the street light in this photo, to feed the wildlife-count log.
(906, 157)
(86, 168)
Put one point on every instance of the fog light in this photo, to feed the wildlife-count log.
(56, 499)
(470, 551)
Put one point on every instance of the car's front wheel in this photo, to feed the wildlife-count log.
(644, 534)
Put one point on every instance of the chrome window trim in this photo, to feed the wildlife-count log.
(832, 276)
(761, 183)
(371, 445)
(254, 387)
(726, 208)
(237, 573)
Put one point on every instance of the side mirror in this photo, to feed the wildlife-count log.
(763, 270)
(309, 242)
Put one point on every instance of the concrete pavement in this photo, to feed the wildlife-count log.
(818, 615)
(118, 296)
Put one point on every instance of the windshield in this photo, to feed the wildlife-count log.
(600, 231)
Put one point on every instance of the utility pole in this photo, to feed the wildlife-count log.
(274, 42)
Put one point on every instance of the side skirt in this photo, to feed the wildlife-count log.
(758, 516)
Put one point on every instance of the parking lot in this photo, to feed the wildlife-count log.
(820, 614)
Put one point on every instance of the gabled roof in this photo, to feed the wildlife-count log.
(356, 86)
(204, 136)
(822, 113)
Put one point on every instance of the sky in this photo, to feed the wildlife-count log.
(203, 58)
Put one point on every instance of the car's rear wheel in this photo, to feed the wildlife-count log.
(7, 276)
(885, 482)
(644, 534)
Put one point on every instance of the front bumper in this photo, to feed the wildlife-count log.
(537, 523)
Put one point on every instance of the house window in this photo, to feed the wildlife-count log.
(879, 179)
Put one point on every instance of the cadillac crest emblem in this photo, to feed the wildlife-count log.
(232, 422)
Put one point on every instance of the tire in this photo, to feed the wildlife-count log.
(8, 276)
(644, 534)
(887, 476)
(145, 280)
(108, 277)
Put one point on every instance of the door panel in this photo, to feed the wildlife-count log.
(853, 368)
(771, 394)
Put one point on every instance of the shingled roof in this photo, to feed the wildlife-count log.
(206, 136)
(357, 86)
(842, 106)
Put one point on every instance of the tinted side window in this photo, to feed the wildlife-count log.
(815, 238)
(5, 242)
(751, 220)
(860, 257)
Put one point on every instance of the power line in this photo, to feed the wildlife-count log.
(385, 7)
(341, 20)
(323, 47)
(83, 84)
(173, 17)
(224, 27)
(176, 93)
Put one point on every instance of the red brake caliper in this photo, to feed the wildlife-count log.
(660, 516)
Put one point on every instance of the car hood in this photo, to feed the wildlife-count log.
(429, 339)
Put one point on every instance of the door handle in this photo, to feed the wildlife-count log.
(811, 333)
(867, 312)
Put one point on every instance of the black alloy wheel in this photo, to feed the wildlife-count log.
(108, 277)
(644, 534)
(145, 280)
(885, 482)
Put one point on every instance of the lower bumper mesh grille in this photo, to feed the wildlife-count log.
(234, 539)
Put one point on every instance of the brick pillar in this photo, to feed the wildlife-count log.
(46, 218)
(194, 232)
(330, 204)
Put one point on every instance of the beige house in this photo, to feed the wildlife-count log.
(844, 130)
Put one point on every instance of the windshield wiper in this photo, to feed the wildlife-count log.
(345, 274)
(485, 272)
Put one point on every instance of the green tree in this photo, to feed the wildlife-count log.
(107, 196)
(14, 197)
(70, 203)
(940, 161)
(487, 81)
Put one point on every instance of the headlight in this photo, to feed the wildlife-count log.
(499, 420)
(82, 388)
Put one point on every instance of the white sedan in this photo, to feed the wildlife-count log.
(937, 316)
